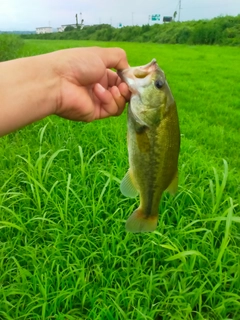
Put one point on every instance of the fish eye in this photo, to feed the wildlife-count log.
(158, 84)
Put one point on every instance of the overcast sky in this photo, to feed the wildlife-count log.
(29, 14)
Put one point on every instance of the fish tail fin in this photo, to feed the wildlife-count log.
(139, 222)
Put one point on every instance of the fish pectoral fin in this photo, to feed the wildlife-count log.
(139, 125)
(172, 188)
(139, 222)
(127, 186)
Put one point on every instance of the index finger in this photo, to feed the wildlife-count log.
(114, 58)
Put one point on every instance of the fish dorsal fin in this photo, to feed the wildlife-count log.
(127, 186)
(172, 188)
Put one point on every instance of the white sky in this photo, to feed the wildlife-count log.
(29, 14)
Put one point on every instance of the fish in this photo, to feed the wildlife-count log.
(153, 139)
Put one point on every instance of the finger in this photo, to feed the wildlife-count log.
(124, 91)
(114, 58)
(119, 100)
(113, 78)
(110, 79)
(107, 102)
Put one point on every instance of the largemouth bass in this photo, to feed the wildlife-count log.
(153, 143)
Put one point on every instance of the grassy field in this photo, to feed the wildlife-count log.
(64, 251)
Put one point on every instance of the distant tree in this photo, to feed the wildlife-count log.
(174, 15)
(69, 28)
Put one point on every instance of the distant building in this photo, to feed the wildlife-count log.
(64, 26)
(44, 30)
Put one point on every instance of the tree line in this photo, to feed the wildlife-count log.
(221, 30)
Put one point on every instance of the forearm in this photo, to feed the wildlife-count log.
(27, 92)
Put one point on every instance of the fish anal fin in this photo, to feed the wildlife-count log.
(172, 188)
(139, 222)
(127, 186)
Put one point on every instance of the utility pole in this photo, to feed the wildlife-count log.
(81, 20)
(179, 10)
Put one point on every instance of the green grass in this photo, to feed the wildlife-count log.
(64, 252)
(10, 45)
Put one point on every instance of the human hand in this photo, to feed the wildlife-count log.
(77, 84)
(88, 88)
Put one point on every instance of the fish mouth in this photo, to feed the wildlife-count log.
(138, 76)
